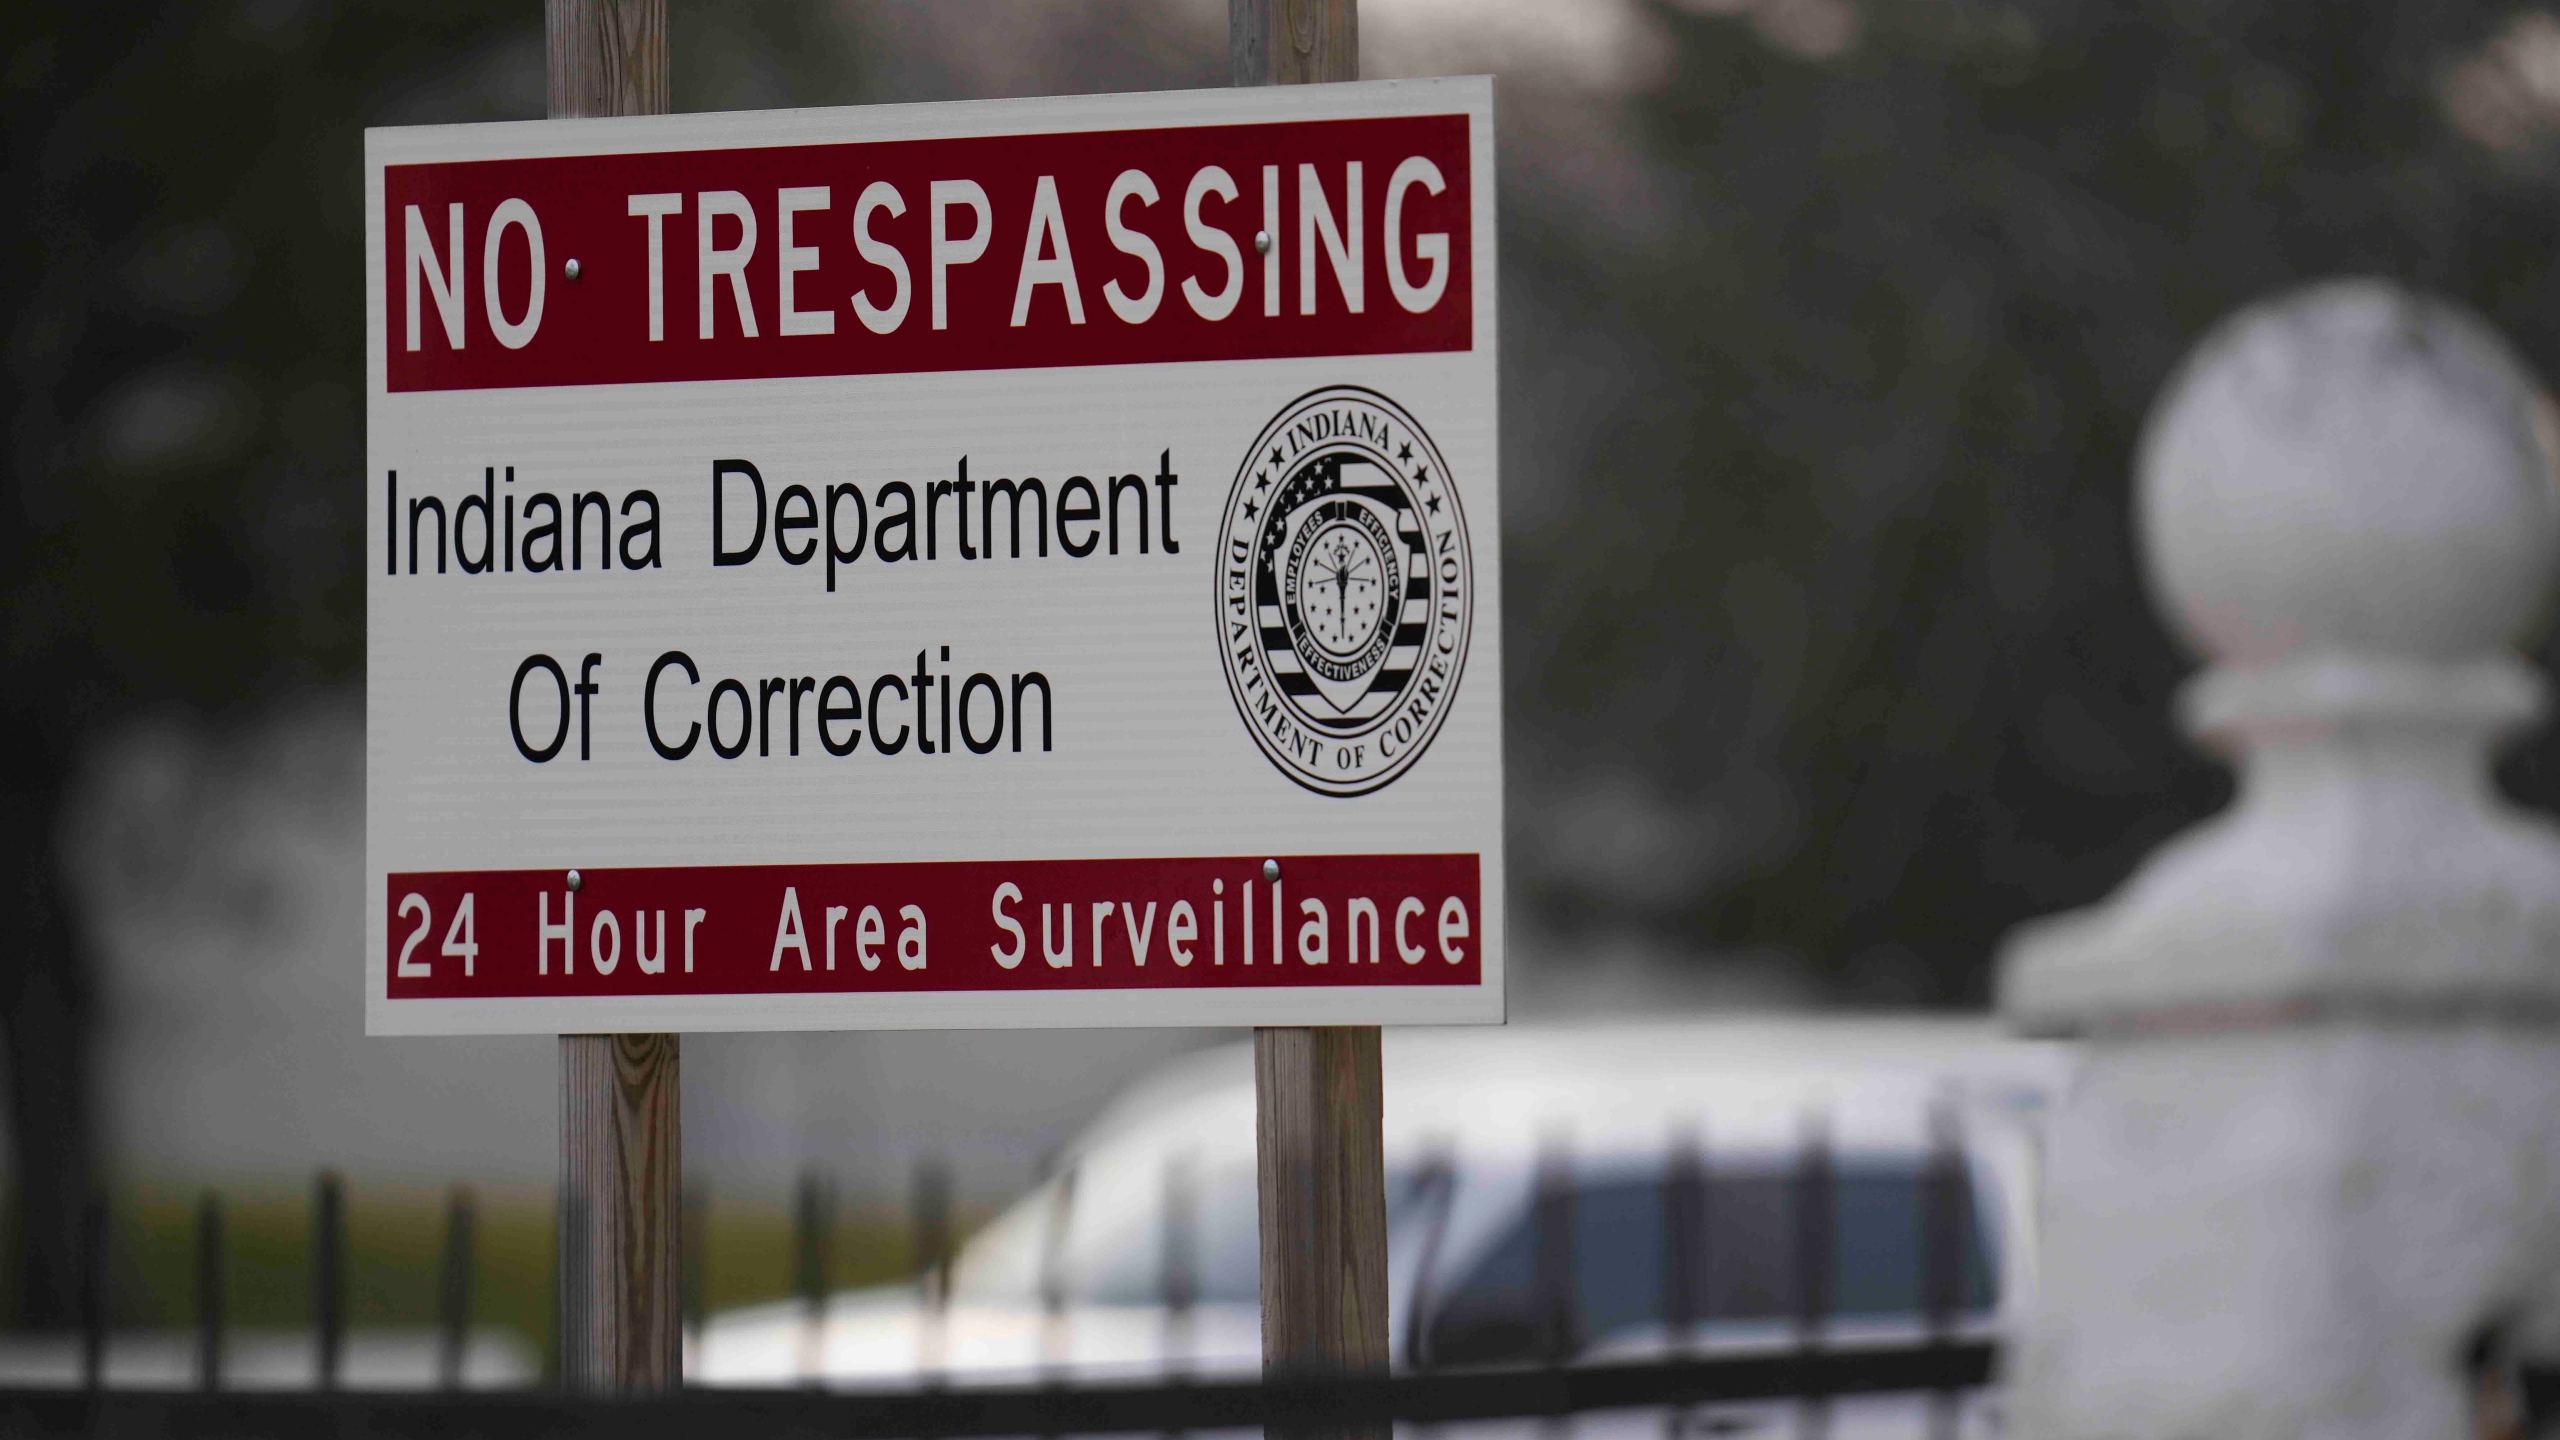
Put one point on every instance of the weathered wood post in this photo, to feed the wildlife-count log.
(621, 1152)
(1318, 1095)
(2311, 1173)
(620, 1258)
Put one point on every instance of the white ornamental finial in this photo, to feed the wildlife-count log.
(2353, 469)
(2347, 503)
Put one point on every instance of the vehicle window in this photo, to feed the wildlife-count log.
(1748, 1268)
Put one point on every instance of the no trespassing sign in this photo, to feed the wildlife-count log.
(1025, 563)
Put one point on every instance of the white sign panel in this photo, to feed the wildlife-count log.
(958, 565)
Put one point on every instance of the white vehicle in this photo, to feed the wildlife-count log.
(1139, 1257)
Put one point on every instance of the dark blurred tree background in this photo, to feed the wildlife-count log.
(1846, 573)
(180, 510)
(1825, 641)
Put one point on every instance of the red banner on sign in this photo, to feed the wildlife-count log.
(1220, 242)
(1378, 920)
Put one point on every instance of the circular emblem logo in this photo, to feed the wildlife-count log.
(1345, 588)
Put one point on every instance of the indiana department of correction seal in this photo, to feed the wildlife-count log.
(1345, 588)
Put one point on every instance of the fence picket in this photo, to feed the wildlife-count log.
(1056, 1347)
(1945, 1259)
(697, 1267)
(1813, 1210)
(453, 1290)
(328, 1278)
(812, 1231)
(932, 1245)
(209, 1292)
(93, 1293)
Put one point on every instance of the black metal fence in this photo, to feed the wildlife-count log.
(1336, 1404)
(1700, 1235)
(210, 1268)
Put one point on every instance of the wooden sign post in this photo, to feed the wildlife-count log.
(621, 1110)
(1318, 1098)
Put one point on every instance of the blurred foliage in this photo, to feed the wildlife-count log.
(1847, 568)
(179, 506)
(186, 353)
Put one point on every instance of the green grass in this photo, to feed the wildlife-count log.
(395, 1255)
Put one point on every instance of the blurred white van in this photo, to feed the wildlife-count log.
(1538, 1181)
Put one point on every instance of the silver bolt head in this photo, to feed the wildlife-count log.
(1270, 870)
(575, 880)
(570, 269)
(1261, 242)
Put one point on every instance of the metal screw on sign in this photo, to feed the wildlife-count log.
(575, 881)
(570, 269)
(1270, 871)
(1261, 242)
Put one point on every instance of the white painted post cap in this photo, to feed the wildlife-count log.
(2350, 467)
(2347, 502)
